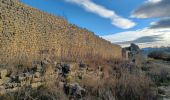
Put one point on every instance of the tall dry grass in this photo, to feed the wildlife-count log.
(124, 81)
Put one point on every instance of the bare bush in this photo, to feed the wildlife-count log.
(159, 55)
(122, 85)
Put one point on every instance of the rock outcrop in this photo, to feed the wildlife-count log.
(131, 51)
(133, 54)
(27, 34)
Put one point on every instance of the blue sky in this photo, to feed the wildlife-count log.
(105, 18)
(77, 15)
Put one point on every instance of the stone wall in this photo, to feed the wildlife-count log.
(27, 34)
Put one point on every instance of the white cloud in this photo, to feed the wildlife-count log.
(163, 23)
(123, 37)
(154, 1)
(105, 13)
(152, 9)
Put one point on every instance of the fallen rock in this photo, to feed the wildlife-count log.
(82, 65)
(1, 81)
(21, 78)
(74, 90)
(2, 90)
(4, 73)
(37, 74)
(66, 69)
(39, 68)
(6, 80)
(12, 85)
(35, 85)
(34, 80)
(13, 89)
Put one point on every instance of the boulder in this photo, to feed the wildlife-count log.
(34, 80)
(82, 65)
(35, 85)
(39, 68)
(66, 69)
(15, 79)
(28, 74)
(134, 48)
(25, 82)
(37, 74)
(77, 91)
(74, 90)
(6, 80)
(14, 89)
(12, 85)
(4, 73)
(46, 61)
(2, 90)
(21, 78)
(1, 81)
(58, 65)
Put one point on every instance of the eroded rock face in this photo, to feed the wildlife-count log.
(27, 34)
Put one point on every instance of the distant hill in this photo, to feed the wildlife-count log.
(146, 51)
(166, 49)
(28, 34)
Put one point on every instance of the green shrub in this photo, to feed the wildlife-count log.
(159, 55)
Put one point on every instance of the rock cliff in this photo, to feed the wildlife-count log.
(27, 34)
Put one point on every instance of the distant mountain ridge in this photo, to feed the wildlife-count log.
(167, 49)
(146, 51)
(27, 34)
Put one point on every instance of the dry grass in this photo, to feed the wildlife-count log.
(122, 84)
(133, 87)
(52, 92)
(124, 81)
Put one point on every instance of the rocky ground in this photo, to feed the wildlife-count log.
(159, 71)
(94, 79)
(43, 73)
(112, 80)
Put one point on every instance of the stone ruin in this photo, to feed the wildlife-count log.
(41, 73)
(32, 77)
(130, 52)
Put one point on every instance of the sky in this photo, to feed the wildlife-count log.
(144, 22)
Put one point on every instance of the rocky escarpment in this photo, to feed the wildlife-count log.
(27, 34)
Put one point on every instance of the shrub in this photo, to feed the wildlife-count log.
(133, 87)
(160, 76)
(159, 55)
(42, 93)
(122, 85)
